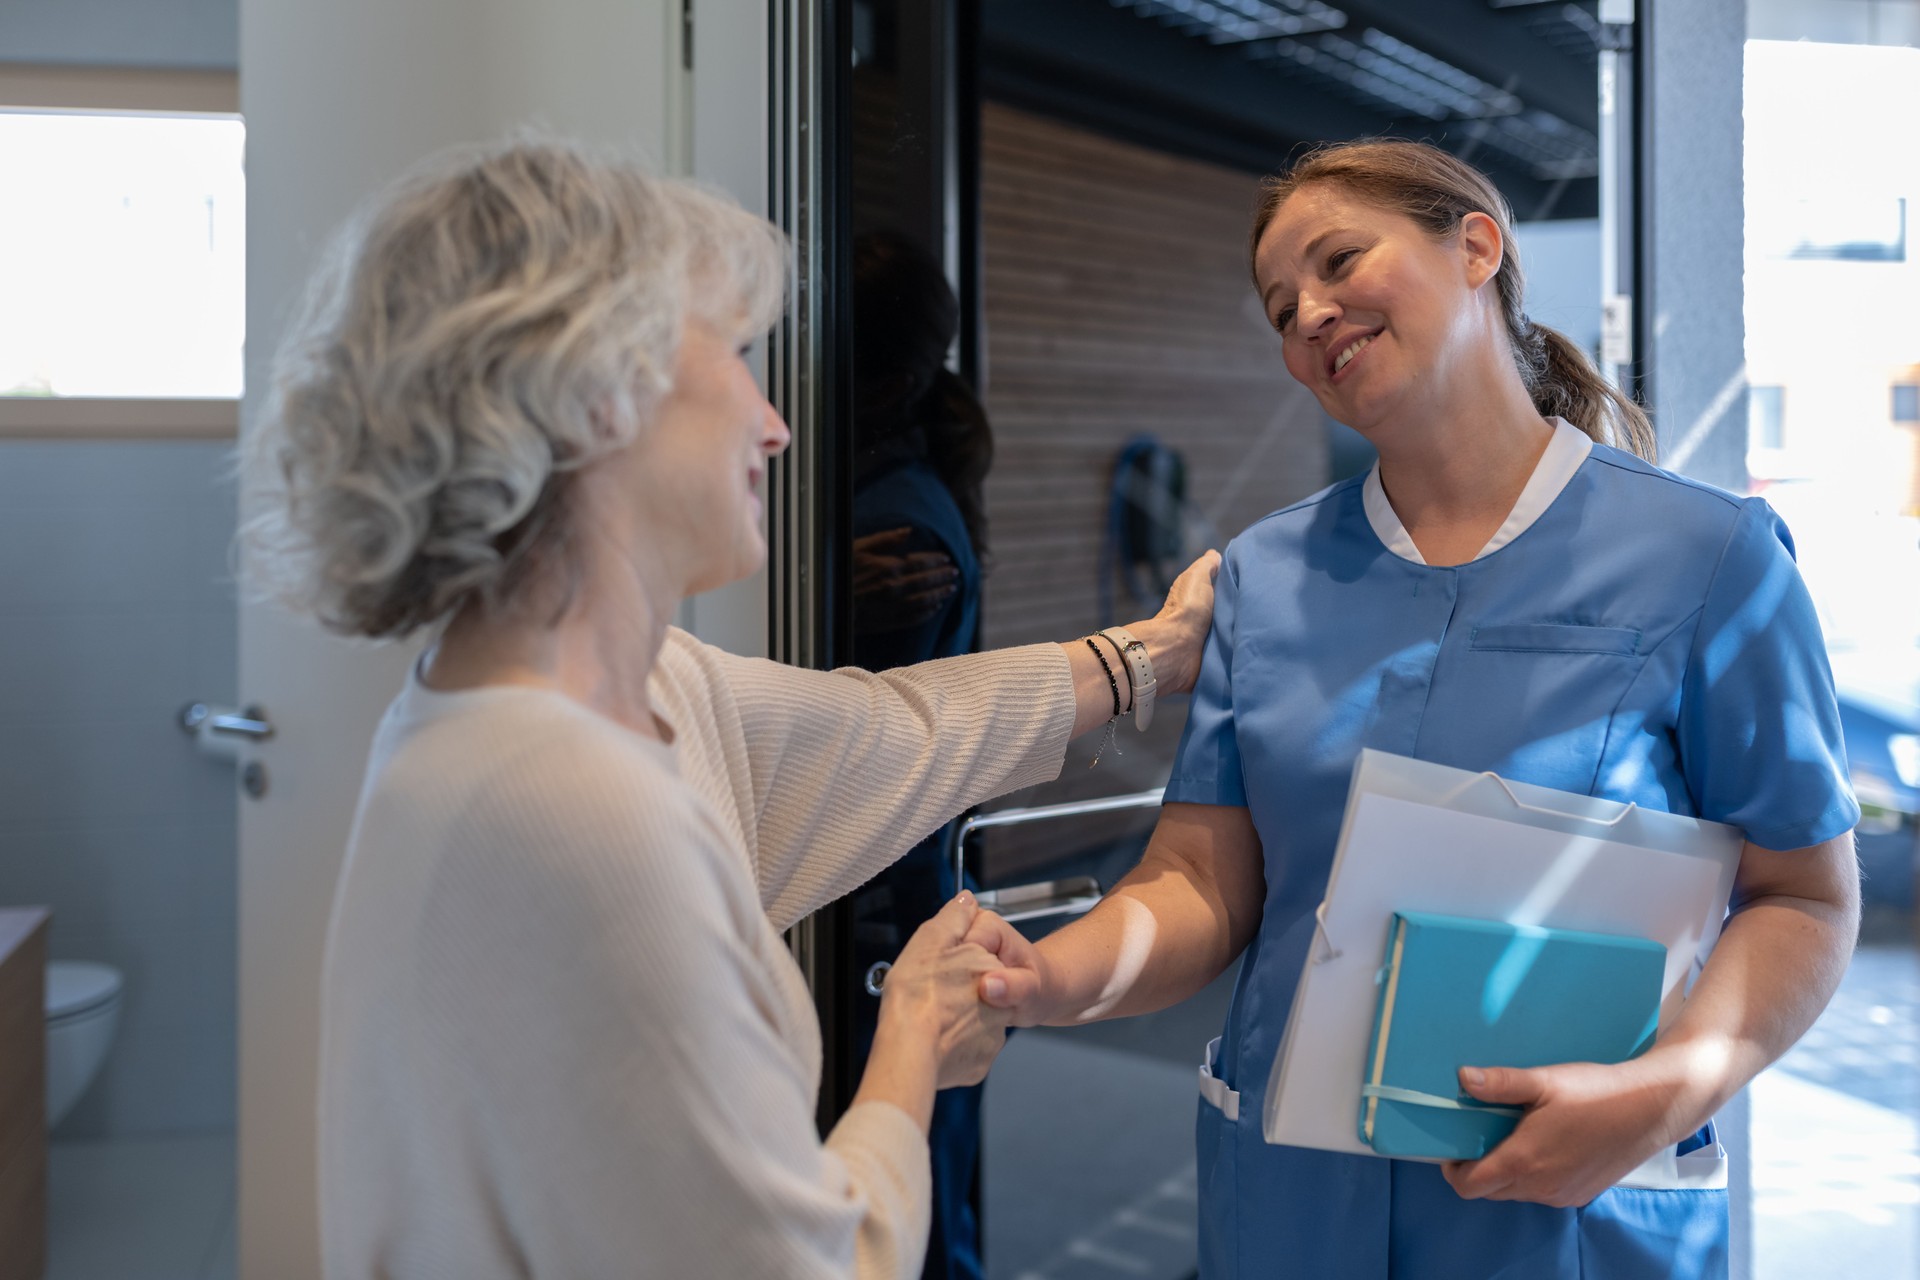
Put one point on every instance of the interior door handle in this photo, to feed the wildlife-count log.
(221, 732)
(250, 722)
(1044, 897)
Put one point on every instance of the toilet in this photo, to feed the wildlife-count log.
(83, 1009)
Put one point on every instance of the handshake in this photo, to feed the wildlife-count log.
(962, 979)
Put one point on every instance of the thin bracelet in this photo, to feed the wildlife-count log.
(1133, 695)
(1112, 683)
(1106, 739)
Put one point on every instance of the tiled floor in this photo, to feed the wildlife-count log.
(1836, 1133)
(1089, 1153)
(142, 1209)
(1088, 1146)
(1867, 1043)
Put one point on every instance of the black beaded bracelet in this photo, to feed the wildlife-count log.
(1112, 683)
(1127, 667)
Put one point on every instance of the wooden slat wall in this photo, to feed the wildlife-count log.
(1117, 303)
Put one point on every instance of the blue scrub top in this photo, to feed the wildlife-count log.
(1648, 638)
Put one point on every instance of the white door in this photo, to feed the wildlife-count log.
(338, 99)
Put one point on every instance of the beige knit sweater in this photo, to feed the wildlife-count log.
(562, 1034)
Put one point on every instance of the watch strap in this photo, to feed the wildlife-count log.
(1140, 667)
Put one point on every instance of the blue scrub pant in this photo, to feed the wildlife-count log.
(1626, 1234)
(1269, 1212)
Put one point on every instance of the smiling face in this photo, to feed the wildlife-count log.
(1376, 317)
(695, 471)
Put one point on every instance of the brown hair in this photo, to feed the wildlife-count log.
(1435, 190)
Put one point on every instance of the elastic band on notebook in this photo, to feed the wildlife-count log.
(1320, 931)
(1413, 1097)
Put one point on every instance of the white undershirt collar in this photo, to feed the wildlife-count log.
(1565, 452)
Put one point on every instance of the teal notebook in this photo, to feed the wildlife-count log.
(1457, 992)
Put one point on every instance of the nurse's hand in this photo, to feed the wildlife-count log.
(933, 1033)
(1175, 636)
(1586, 1127)
(930, 992)
(1017, 985)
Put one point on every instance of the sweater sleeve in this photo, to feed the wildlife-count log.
(614, 1016)
(851, 768)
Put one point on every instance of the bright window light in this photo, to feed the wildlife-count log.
(122, 255)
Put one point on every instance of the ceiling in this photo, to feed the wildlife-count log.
(1509, 85)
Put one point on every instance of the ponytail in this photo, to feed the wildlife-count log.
(1564, 384)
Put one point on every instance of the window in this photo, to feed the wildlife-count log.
(122, 276)
(1766, 417)
(1906, 402)
(1852, 229)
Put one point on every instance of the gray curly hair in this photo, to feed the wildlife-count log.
(496, 320)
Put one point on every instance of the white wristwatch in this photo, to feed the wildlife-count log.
(1139, 671)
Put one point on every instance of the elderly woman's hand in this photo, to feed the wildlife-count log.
(1175, 636)
(930, 992)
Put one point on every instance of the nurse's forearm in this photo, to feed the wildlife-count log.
(1777, 963)
(1135, 953)
(1169, 928)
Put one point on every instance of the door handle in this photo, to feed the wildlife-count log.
(221, 732)
(250, 722)
(1045, 897)
(1042, 898)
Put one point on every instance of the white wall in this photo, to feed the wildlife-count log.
(1695, 209)
(339, 98)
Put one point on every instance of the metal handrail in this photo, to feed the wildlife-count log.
(1043, 813)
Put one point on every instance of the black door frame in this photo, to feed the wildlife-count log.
(810, 509)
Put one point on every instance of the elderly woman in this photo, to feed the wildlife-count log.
(563, 1036)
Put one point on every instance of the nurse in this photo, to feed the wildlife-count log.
(1513, 587)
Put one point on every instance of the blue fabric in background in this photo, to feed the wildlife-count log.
(911, 496)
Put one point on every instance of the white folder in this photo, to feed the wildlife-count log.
(1424, 837)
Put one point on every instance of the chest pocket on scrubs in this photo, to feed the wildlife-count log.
(1557, 637)
(1550, 690)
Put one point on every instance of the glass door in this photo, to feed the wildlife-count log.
(1060, 388)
